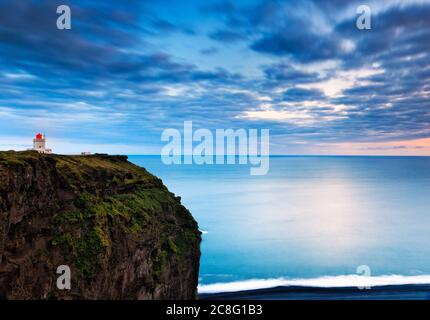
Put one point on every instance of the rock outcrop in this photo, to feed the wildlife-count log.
(118, 228)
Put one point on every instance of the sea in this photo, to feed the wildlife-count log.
(311, 221)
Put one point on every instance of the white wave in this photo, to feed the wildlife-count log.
(341, 281)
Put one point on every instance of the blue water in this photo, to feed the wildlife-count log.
(309, 217)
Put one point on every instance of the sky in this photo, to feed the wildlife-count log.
(127, 70)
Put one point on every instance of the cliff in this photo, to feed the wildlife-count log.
(118, 228)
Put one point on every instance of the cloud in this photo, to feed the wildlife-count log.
(334, 85)
(164, 26)
(209, 51)
(300, 94)
(283, 72)
(227, 36)
(268, 113)
(301, 68)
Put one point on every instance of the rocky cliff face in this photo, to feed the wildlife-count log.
(118, 228)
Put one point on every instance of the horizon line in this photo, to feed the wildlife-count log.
(230, 155)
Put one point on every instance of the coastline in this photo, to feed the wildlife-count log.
(388, 292)
(342, 287)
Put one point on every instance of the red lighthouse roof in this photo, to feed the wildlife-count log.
(39, 136)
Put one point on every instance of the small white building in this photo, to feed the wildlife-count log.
(39, 144)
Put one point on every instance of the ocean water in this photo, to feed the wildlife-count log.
(309, 221)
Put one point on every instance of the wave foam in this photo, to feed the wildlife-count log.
(342, 281)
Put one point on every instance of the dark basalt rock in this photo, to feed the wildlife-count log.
(123, 234)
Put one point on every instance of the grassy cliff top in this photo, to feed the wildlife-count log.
(99, 161)
(109, 170)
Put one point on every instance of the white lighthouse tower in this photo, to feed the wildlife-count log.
(39, 144)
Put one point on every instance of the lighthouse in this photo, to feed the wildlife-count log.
(39, 144)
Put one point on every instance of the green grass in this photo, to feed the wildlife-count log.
(63, 239)
(68, 217)
(92, 215)
(87, 250)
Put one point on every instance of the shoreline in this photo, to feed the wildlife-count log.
(385, 292)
